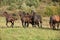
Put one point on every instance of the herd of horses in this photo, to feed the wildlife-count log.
(33, 18)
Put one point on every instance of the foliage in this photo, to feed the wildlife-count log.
(12, 7)
(32, 3)
(47, 9)
(58, 10)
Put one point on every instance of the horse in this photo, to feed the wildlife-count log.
(36, 19)
(9, 18)
(25, 19)
(54, 19)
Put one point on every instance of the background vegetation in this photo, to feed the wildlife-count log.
(42, 7)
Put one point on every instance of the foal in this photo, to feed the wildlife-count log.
(9, 18)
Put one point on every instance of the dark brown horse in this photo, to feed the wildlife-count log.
(55, 19)
(9, 18)
(25, 19)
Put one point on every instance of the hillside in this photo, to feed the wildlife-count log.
(43, 7)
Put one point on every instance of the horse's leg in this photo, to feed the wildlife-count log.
(53, 26)
(27, 24)
(22, 23)
(57, 25)
(51, 22)
(41, 23)
(38, 25)
(34, 24)
(12, 24)
(7, 23)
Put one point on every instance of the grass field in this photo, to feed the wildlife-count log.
(30, 33)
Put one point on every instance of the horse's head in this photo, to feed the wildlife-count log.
(21, 14)
(33, 12)
(5, 13)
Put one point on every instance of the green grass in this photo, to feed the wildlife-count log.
(29, 33)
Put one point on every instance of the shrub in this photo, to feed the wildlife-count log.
(32, 2)
(58, 10)
(25, 8)
(48, 11)
(12, 7)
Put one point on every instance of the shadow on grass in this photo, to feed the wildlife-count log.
(0, 39)
(32, 27)
(50, 29)
(11, 27)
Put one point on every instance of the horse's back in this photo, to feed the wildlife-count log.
(38, 17)
(26, 18)
(56, 18)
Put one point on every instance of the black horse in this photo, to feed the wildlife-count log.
(36, 19)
